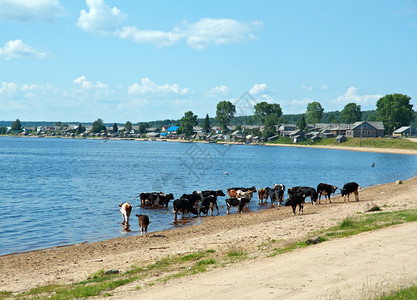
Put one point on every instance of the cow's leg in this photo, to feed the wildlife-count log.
(356, 195)
(228, 208)
(293, 210)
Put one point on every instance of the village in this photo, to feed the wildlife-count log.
(237, 134)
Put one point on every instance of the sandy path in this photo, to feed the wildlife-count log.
(349, 268)
(247, 231)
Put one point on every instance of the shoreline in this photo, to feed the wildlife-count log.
(72, 263)
(341, 147)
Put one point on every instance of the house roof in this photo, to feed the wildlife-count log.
(376, 125)
(402, 129)
(173, 128)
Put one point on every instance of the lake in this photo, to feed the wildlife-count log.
(56, 192)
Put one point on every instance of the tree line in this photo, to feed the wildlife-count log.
(394, 110)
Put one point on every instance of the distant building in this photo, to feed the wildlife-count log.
(402, 131)
(365, 129)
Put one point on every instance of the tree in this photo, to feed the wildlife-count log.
(263, 109)
(128, 126)
(224, 113)
(16, 126)
(187, 123)
(301, 123)
(142, 128)
(115, 128)
(270, 122)
(80, 128)
(314, 112)
(394, 111)
(332, 118)
(207, 125)
(351, 113)
(3, 130)
(98, 126)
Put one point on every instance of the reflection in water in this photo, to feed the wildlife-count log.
(125, 228)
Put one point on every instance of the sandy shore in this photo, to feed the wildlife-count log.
(21, 272)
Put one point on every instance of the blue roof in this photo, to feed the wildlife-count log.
(163, 134)
(173, 128)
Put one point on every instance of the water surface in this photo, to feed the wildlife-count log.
(63, 191)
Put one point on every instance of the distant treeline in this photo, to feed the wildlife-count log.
(328, 117)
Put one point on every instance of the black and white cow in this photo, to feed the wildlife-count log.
(185, 204)
(208, 204)
(204, 194)
(326, 190)
(155, 198)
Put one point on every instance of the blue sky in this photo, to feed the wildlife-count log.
(73, 60)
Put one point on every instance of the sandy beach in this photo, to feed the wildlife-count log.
(21, 272)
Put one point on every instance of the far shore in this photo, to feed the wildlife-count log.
(341, 147)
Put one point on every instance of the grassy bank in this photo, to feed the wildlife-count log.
(104, 283)
(384, 143)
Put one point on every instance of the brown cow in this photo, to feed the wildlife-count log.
(143, 224)
(125, 210)
(263, 195)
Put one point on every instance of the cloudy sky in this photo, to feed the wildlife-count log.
(73, 60)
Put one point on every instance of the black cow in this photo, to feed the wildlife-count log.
(277, 193)
(204, 194)
(349, 188)
(239, 202)
(155, 198)
(184, 205)
(191, 198)
(307, 191)
(294, 200)
(326, 190)
(207, 204)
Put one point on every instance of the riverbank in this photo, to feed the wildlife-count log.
(249, 232)
(335, 147)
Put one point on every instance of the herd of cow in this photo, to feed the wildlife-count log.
(205, 201)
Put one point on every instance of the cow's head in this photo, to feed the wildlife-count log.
(170, 196)
(220, 193)
(334, 188)
(344, 192)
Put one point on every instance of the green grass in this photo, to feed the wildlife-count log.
(167, 268)
(397, 143)
(409, 293)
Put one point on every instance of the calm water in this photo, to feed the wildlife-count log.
(63, 191)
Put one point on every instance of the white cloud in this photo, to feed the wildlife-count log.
(198, 35)
(208, 31)
(153, 37)
(324, 87)
(307, 88)
(30, 10)
(218, 91)
(366, 101)
(8, 88)
(258, 88)
(100, 17)
(17, 49)
(88, 85)
(148, 88)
